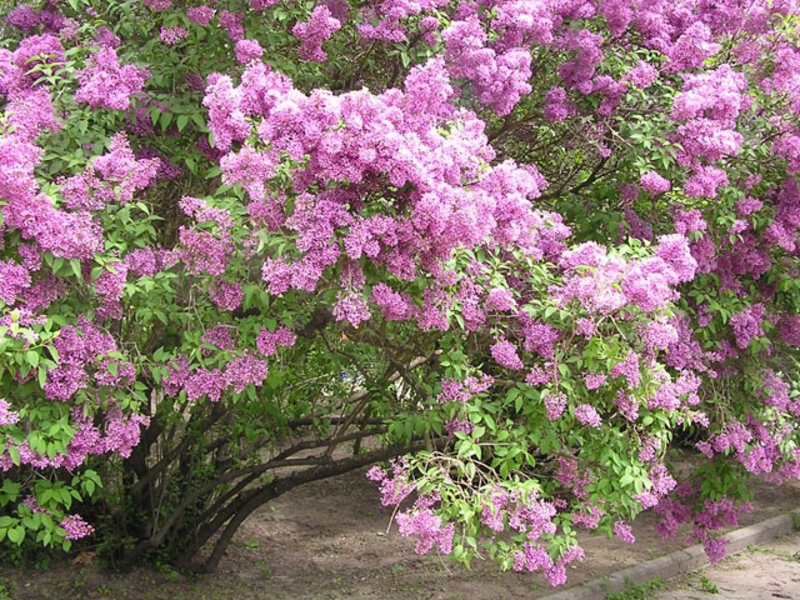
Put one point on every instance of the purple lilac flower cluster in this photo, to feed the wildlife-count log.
(104, 83)
(534, 557)
(78, 348)
(454, 390)
(314, 32)
(444, 216)
(75, 527)
(112, 178)
(395, 488)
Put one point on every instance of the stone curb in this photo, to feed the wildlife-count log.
(680, 562)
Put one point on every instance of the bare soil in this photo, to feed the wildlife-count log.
(329, 540)
(766, 572)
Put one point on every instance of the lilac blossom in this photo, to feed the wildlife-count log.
(642, 75)
(201, 15)
(455, 425)
(746, 324)
(654, 183)
(247, 50)
(555, 403)
(232, 23)
(314, 32)
(588, 415)
(226, 295)
(75, 527)
(500, 300)
(25, 18)
(428, 526)
(245, 370)
(172, 35)
(104, 83)
(505, 355)
(7, 416)
(624, 532)
(267, 342)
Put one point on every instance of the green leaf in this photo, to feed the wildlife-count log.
(75, 264)
(10, 489)
(6, 522)
(155, 114)
(165, 121)
(42, 377)
(17, 535)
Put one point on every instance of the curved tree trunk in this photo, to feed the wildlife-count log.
(283, 485)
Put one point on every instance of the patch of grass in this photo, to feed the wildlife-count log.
(106, 590)
(708, 586)
(640, 591)
(6, 587)
(168, 573)
(264, 570)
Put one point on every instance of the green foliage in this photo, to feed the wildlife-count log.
(708, 586)
(639, 591)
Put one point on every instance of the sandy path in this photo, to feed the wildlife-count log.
(766, 572)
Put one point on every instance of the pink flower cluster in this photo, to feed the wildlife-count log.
(505, 355)
(172, 35)
(321, 25)
(247, 50)
(534, 557)
(394, 306)
(624, 532)
(604, 284)
(78, 350)
(241, 370)
(714, 516)
(746, 324)
(204, 251)
(349, 138)
(232, 23)
(588, 415)
(462, 391)
(117, 434)
(7, 416)
(201, 15)
(268, 341)
(395, 488)
(112, 178)
(498, 79)
(574, 478)
(654, 183)
(104, 83)
(425, 524)
(75, 527)
(708, 106)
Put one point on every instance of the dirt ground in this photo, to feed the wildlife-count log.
(328, 540)
(765, 572)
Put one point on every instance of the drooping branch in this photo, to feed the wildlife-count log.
(244, 505)
(281, 461)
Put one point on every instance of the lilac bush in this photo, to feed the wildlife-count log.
(524, 249)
